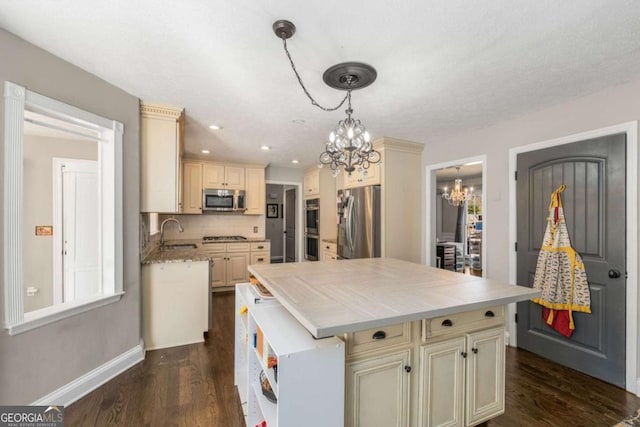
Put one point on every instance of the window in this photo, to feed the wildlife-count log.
(63, 204)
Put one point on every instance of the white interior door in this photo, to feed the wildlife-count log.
(80, 220)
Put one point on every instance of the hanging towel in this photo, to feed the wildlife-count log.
(560, 274)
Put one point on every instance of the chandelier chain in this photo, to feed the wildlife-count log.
(313, 101)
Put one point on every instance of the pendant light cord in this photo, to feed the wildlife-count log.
(313, 101)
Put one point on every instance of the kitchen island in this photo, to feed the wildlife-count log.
(399, 330)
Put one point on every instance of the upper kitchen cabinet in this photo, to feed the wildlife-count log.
(216, 175)
(371, 177)
(162, 137)
(312, 183)
(401, 198)
(192, 187)
(255, 197)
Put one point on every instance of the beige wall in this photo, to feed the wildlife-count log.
(40, 361)
(39, 152)
(609, 107)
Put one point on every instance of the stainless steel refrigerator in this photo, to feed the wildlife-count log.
(359, 222)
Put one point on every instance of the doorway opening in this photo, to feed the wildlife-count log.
(283, 229)
(455, 238)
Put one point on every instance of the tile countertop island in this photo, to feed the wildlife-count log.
(331, 298)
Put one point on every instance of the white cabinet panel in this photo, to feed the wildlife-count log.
(192, 187)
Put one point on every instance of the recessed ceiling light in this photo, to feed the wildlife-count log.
(265, 148)
(295, 162)
(215, 127)
(205, 151)
(298, 121)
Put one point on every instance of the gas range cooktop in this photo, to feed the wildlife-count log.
(212, 239)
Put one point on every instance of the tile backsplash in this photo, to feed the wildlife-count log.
(197, 226)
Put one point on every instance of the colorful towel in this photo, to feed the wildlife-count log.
(560, 274)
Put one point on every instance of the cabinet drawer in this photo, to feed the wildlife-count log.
(331, 247)
(260, 258)
(238, 247)
(463, 322)
(260, 246)
(378, 339)
(216, 248)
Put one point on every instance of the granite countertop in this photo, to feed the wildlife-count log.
(181, 255)
(177, 255)
(333, 297)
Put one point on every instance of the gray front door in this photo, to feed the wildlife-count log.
(594, 205)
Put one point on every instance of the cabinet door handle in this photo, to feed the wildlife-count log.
(260, 259)
(260, 247)
(407, 368)
(464, 354)
(489, 313)
(447, 323)
(475, 350)
(379, 335)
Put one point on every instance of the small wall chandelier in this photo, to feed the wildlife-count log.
(458, 196)
(349, 144)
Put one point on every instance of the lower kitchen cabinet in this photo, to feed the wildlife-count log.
(462, 379)
(230, 261)
(377, 391)
(229, 269)
(329, 251)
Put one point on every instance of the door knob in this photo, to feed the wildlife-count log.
(614, 274)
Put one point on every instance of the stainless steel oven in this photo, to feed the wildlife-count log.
(311, 247)
(312, 216)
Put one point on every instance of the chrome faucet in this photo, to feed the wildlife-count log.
(180, 229)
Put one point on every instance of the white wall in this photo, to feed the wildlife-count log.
(284, 174)
(609, 107)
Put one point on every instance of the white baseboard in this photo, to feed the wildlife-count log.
(81, 386)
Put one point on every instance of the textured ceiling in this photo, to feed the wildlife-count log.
(443, 66)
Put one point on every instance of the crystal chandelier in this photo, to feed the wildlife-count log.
(349, 144)
(458, 196)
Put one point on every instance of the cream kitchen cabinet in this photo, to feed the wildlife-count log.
(261, 253)
(192, 187)
(370, 176)
(377, 391)
(312, 183)
(216, 175)
(462, 379)
(329, 251)
(255, 198)
(230, 261)
(161, 146)
(378, 373)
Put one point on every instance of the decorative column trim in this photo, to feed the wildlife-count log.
(14, 102)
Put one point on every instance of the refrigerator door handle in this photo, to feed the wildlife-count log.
(349, 224)
(354, 225)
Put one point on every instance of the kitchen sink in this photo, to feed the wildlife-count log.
(180, 246)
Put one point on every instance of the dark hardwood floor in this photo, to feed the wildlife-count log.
(193, 386)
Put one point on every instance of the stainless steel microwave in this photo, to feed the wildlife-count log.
(223, 200)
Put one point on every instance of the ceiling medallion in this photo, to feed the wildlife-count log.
(349, 144)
